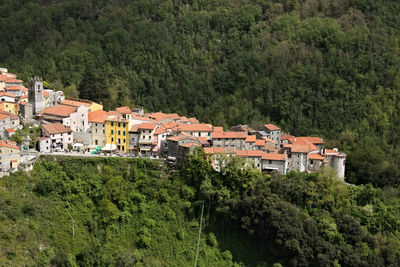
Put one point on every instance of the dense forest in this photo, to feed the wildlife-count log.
(315, 67)
(136, 212)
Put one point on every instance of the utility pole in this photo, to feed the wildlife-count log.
(198, 240)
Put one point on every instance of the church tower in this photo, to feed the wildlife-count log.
(35, 94)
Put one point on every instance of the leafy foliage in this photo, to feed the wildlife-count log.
(315, 67)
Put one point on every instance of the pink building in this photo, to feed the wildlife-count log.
(60, 136)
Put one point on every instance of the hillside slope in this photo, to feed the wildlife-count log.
(314, 67)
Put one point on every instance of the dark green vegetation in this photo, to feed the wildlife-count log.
(126, 213)
(139, 213)
(329, 68)
(299, 219)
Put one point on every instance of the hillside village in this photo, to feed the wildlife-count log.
(82, 125)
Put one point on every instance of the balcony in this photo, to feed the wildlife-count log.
(145, 141)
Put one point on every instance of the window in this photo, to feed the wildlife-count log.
(311, 162)
(96, 142)
(149, 136)
(96, 130)
(112, 131)
(124, 125)
(119, 124)
(96, 124)
(112, 139)
(269, 161)
(112, 123)
(124, 140)
(119, 140)
(104, 131)
(209, 134)
(124, 132)
(119, 132)
(123, 147)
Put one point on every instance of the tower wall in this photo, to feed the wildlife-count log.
(35, 94)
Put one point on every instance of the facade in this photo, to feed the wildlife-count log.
(273, 131)
(197, 130)
(274, 162)
(9, 156)
(35, 94)
(174, 142)
(146, 138)
(60, 136)
(75, 118)
(134, 135)
(44, 144)
(10, 107)
(7, 121)
(117, 133)
(236, 140)
(97, 121)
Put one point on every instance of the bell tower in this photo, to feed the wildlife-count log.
(35, 94)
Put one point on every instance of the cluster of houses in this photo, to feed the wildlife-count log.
(83, 125)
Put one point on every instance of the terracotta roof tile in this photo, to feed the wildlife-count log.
(124, 110)
(60, 110)
(10, 130)
(98, 116)
(274, 156)
(147, 126)
(272, 127)
(7, 94)
(251, 138)
(181, 137)
(229, 134)
(5, 144)
(189, 145)
(316, 157)
(160, 130)
(159, 116)
(195, 127)
(56, 128)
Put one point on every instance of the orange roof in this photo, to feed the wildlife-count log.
(193, 120)
(260, 142)
(330, 151)
(135, 116)
(12, 80)
(161, 130)
(8, 94)
(189, 145)
(159, 116)
(184, 119)
(218, 129)
(251, 138)
(288, 137)
(98, 116)
(181, 137)
(24, 96)
(229, 134)
(272, 127)
(10, 130)
(60, 110)
(169, 125)
(303, 148)
(56, 128)
(24, 89)
(76, 102)
(249, 153)
(134, 128)
(147, 126)
(195, 127)
(269, 140)
(124, 110)
(219, 150)
(309, 139)
(45, 93)
(7, 144)
(274, 156)
(316, 157)
(13, 88)
(202, 139)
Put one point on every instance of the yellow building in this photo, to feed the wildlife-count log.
(9, 156)
(117, 133)
(9, 107)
